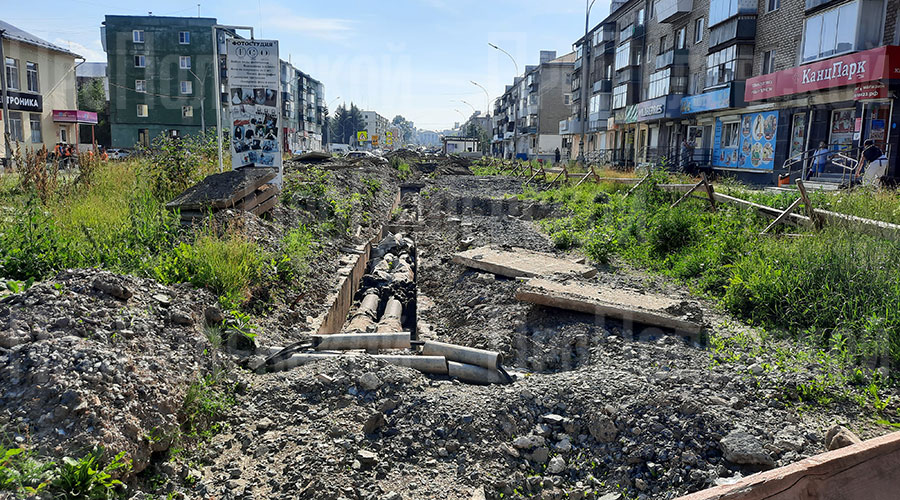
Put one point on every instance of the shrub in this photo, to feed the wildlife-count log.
(671, 230)
(88, 478)
(21, 474)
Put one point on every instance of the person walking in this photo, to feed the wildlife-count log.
(819, 161)
(872, 165)
(687, 154)
(557, 156)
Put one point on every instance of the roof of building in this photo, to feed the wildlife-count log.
(20, 35)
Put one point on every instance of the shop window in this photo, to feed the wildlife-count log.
(730, 134)
(137, 36)
(16, 133)
(699, 26)
(842, 127)
(31, 76)
(768, 62)
(12, 73)
(831, 32)
(35, 121)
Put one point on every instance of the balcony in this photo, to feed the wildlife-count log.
(631, 31)
(528, 130)
(533, 109)
(607, 48)
(672, 57)
(578, 63)
(739, 28)
(631, 74)
(668, 11)
(604, 85)
(570, 126)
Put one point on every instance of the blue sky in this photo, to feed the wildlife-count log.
(414, 58)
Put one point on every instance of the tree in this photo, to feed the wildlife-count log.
(473, 130)
(91, 96)
(407, 128)
(346, 123)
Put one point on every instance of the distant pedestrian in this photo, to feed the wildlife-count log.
(556, 155)
(872, 165)
(687, 154)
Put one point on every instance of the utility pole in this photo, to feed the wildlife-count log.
(516, 109)
(8, 149)
(202, 98)
(585, 70)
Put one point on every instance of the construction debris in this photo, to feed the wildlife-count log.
(244, 189)
(602, 300)
(520, 263)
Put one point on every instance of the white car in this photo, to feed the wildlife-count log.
(361, 154)
(118, 154)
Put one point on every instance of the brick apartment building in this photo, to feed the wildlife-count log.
(733, 78)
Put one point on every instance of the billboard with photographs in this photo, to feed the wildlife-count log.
(253, 96)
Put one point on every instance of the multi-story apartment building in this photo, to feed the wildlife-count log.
(750, 84)
(161, 78)
(375, 126)
(40, 82)
(526, 118)
(302, 99)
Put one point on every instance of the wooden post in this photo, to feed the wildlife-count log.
(594, 173)
(787, 212)
(709, 192)
(810, 211)
(634, 188)
(686, 195)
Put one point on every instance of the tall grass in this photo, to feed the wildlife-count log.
(813, 287)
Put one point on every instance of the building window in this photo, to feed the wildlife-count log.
(137, 36)
(620, 96)
(35, 122)
(15, 126)
(722, 10)
(140, 86)
(63, 134)
(31, 76)
(12, 73)
(768, 62)
(623, 55)
(140, 61)
(730, 134)
(184, 62)
(831, 32)
(187, 87)
(773, 5)
(567, 99)
(144, 137)
(143, 111)
(187, 111)
(729, 64)
(680, 38)
(662, 43)
(699, 26)
(659, 83)
(640, 17)
(184, 37)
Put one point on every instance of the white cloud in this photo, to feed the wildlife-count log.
(323, 28)
(90, 54)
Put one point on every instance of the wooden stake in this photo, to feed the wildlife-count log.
(686, 195)
(709, 192)
(634, 188)
(810, 211)
(787, 212)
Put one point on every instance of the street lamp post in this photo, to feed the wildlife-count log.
(202, 98)
(585, 69)
(469, 105)
(487, 98)
(516, 109)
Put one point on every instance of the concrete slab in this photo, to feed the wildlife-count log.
(520, 263)
(648, 309)
(223, 190)
(864, 471)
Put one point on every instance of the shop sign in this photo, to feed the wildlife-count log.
(717, 99)
(749, 143)
(253, 90)
(871, 90)
(74, 116)
(866, 66)
(18, 101)
(661, 107)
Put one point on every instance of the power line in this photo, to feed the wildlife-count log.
(190, 97)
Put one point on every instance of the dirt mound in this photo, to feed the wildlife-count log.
(92, 357)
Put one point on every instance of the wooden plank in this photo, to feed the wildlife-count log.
(863, 471)
(709, 192)
(520, 263)
(639, 184)
(265, 206)
(687, 194)
(862, 225)
(788, 211)
(605, 300)
(223, 190)
(810, 210)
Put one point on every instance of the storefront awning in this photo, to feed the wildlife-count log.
(724, 98)
(851, 69)
(74, 116)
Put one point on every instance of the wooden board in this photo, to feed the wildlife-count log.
(864, 471)
(265, 206)
(223, 190)
(520, 263)
(647, 309)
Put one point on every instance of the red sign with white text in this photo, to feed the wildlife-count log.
(851, 69)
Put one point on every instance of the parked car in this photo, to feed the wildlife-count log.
(118, 154)
(361, 154)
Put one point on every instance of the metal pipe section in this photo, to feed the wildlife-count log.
(436, 365)
(489, 360)
(351, 341)
(474, 374)
(363, 320)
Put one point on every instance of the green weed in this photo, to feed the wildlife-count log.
(88, 477)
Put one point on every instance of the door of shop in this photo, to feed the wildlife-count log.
(876, 117)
